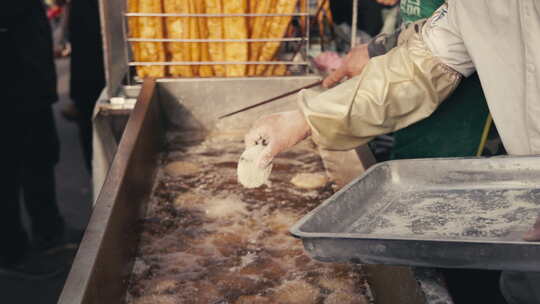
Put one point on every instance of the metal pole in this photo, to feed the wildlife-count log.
(307, 33)
(125, 32)
(354, 23)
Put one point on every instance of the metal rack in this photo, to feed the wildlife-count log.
(303, 39)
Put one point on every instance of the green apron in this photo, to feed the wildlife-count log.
(455, 128)
(413, 10)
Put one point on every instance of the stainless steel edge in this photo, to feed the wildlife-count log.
(111, 13)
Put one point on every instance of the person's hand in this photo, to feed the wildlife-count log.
(277, 132)
(353, 64)
(534, 233)
(328, 61)
(387, 2)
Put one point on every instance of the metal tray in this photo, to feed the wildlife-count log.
(452, 212)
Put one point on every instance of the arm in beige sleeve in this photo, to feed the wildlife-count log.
(394, 90)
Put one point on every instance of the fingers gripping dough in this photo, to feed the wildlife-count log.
(250, 175)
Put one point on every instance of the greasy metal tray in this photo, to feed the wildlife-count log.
(457, 213)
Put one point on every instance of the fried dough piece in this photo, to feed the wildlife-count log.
(278, 27)
(204, 70)
(216, 50)
(235, 28)
(194, 33)
(133, 26)
(252, 8)
(258, 28)
(309, 180)
(178, 28)
(280, 70)
(276, 70)
(147, 27)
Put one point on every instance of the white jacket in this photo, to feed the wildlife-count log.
(501, 40)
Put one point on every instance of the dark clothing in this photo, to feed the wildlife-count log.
(87, 72)
(453, 130)
(383, 43)
(369, 14)
(28, 75)
(85, 108)
(520, 287)
(473, 286)
(35, 151)
(28, 81)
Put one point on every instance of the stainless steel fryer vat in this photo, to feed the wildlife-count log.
(104, 260)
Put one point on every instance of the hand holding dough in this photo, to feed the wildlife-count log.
(250, 174)
(278, 132)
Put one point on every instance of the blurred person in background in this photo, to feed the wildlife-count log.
(28, 81)
(370, 19)
(87, 72)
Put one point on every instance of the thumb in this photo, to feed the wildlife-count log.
(335, 77)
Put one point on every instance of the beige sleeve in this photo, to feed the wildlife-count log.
(394, 90)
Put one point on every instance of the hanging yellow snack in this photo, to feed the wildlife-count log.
(280, 70)
(258, 31)
(215, 31)
(235, 28)
(278, 27)
(178, 28)
(252, 9)
(133, 26)
(276, 70)
(204, 70)
(195, 47)
(147, 27)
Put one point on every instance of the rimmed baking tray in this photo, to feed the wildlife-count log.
(452, 212)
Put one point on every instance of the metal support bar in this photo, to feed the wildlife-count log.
(126, 50)
(215, 40)
(301, 40)
(354, 25)
(136, 63)
(307, 33)
(212, 15)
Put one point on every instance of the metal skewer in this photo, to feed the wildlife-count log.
(318, 83)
